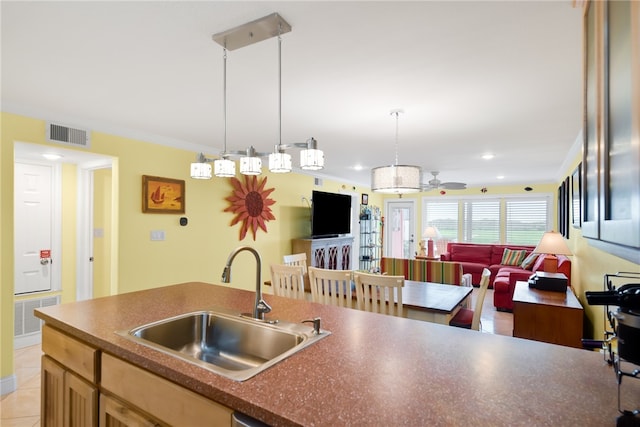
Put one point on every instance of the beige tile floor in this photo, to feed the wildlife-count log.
(22, 407)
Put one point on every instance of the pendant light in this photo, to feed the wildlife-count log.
(279, 161)
(223, 167)
(311, 158)
(396, 179)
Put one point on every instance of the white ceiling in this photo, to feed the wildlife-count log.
(472, 77)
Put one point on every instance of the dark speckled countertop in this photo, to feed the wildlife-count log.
(372, 370)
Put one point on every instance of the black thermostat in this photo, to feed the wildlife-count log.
(183, 221)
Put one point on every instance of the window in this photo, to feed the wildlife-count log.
(481, 222)
(443, 216)
(518, 220)
(526, 221)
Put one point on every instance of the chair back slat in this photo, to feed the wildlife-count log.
(287, 281)
(379, 293)
(296, 259)
(484, 284)
(331, 287)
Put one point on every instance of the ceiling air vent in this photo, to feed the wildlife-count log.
(66, 135)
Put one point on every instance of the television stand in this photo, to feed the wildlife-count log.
(334, 253)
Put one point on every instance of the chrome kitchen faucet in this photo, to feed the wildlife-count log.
(260, 307)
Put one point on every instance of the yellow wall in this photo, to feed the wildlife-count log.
(589, 265)
(196, 252)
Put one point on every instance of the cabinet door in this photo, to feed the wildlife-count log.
(80, 402)
(114, 413)
(590, 161)
(52, 393)
(620, 163)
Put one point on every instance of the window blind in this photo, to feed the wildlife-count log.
(526, 221)
(481, 221)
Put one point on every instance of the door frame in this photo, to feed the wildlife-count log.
(84, 226)
(388, 203)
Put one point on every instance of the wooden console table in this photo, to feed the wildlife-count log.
(553, 317)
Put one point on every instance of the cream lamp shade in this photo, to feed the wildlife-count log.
(552, 243)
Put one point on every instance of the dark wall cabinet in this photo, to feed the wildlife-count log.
(611, 154)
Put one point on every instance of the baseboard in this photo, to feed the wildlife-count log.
(27, 340)
(8, 384)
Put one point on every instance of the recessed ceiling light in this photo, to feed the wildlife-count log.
(488, 156)
(358, 167)
(52, 156)
(500, 176)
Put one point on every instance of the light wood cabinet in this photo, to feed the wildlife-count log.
(611, 150)
(68, 377)
(167, 401)
(114, 413)
(81, 386)
(67, 399)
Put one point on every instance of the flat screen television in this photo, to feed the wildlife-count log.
(330, 214)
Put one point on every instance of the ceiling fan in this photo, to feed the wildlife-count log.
(435, 183)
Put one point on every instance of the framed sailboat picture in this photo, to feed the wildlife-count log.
(162, 195)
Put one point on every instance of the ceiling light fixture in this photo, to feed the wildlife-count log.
(250, 161)
(396, 179)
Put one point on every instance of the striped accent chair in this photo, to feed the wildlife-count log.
(422, 270)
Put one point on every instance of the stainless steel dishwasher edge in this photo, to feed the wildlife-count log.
(239, 419)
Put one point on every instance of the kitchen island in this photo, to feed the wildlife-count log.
(372, 369)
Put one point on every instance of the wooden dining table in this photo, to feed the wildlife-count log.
(433, 302)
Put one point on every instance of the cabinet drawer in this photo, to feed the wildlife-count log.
(164, 400)
(73, 354)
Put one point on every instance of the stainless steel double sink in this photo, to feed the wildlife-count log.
(226, 343)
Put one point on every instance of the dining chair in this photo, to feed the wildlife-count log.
(470, 319)
(296, 259)
(287, 281)
(379, 293)
(331, 287)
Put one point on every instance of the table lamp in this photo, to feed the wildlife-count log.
(552, 244)
(430, 233)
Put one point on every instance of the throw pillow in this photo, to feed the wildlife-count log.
(528, 261)
(513, 257)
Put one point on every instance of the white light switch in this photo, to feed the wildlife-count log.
(157, 235)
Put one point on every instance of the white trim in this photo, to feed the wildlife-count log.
(8, 384)
(27, 340)
(56, 227)
(84, 233)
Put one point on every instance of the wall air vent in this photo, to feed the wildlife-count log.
(69, 136)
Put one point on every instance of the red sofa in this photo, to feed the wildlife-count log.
(505, 282)
(475, 257)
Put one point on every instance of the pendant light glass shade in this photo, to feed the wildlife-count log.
(312, 159)
(250, 166)
(200, 171)
(396, 179)
(224, 168)
(280, 162)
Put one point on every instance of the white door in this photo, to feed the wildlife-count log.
(33, 221)
(400, 229)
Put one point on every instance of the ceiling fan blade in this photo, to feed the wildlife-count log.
(453, 185)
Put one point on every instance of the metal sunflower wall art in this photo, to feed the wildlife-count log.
(251, 204)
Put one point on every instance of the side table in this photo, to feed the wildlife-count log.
(553, 317)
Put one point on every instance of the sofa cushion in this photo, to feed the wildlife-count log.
(498, 250)
(513, 256)
(480, 254)
(528, 262)
(539, 264)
